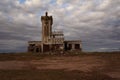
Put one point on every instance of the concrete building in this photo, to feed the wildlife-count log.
(52, 40)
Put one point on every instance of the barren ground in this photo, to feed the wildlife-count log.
(91, 66)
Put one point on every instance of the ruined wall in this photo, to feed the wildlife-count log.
(52, 41)
(73, 45)
(34, 46)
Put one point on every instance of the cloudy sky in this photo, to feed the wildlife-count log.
(95, 22)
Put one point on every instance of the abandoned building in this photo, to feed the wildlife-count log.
(52, 40)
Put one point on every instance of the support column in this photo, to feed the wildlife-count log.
(73, 46)
(35, 49)
(42, 47)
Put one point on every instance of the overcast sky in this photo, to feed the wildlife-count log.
(95, 22)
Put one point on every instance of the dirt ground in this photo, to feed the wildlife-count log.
(104, 67)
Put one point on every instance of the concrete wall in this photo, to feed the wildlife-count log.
(52, 41)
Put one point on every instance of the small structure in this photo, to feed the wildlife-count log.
(52, 40)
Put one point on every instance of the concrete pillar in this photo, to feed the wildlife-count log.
(35, 50)
(73, 46)
(42, 47)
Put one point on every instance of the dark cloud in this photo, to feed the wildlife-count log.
(95, 22)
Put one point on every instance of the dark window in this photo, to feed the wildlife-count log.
(70, 46)
(77, 46)
(65, 46)
(37, 49)
(32, 45)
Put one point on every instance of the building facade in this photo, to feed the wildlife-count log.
(52, 40)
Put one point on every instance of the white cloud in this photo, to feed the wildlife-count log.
(34, 3)
(85, 19)
(104, 4)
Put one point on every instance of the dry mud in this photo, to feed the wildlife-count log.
(109, 65)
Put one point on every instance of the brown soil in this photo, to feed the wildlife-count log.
(104, 66)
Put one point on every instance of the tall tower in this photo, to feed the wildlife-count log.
(47, 22)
